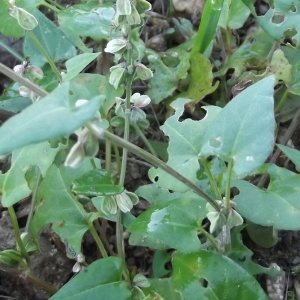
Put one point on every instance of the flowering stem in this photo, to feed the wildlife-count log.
(17, 232)
(44, 52)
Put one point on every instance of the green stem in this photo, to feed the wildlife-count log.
(228, 184)
(48, 5)
(40, 283)
(97, 240)
(282, 100)
(209, 237)
(53, 3)
(33, 201)
(11, 51)
(44, 52)
(212, 180)
(144, 139)
(157, 163)
(23, 81)
(17, 232)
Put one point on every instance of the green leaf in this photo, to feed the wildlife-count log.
(51, 38)
(280, 22)
(262, 235)
(185, 142)
(201, 78)
(9, 26)
(86, 20)
(76, 64)
(96, 183)
(164, 287)
(102, 277)
(49, 118)
(184, 146)
(235, 135)
(234, 14)
(60, 208)
(156, 195)
(87, 86)
(160, 226)
(210, 275)
(166, 79)
(278, 206)
(292, 154)
(160, 259)
(41, 155)
(241, 255)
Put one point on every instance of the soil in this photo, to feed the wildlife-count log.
(51, 263)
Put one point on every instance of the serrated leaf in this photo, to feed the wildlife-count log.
(160, 226)
(102, 277)
(210, 275)
(278, 206)
(76, 64)
(186, 140)
(49, 118)
(86, 20)
(41, 155)
(244, 130)
(60, 208)
(96, 183)
(52, 40)
(281, 21)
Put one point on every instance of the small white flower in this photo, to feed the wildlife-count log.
(139, 100)
(123, 7)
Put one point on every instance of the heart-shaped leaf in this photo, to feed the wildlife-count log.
(102, 277)
(160, 226)
(186, 140)
(60, 208)
(210, 275)
(244, 130)
(278, 206)
(96, 183)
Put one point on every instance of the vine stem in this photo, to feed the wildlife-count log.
(17, 232)
(97, 240)
(212, 180)
(157, 163)
(228, 184)
(44, 52)
(122, 143)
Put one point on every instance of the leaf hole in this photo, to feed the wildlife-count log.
(155, 179)
(204, 282)
(293, 8)
(171, 191)
(289, 36)
(242, 258)
(278, 18)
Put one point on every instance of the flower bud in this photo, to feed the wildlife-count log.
(116, 76)
(26, 20)
(123, 7)
(139, 100)
(143, 72)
